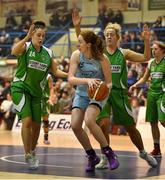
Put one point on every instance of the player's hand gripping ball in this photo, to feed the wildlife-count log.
(98, 93)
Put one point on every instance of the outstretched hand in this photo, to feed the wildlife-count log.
(31, 31)
(146, 32)
(76, 18)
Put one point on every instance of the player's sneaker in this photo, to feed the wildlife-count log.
(103, 164)
(92, 161)
(32, 161)
(156, 153)
(47, 142)
(150, 160)
(33, 152)
(112, 159)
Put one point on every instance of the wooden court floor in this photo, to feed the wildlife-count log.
(65, 159)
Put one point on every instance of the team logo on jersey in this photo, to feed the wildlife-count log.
(116, 68)
(37, 65)
(157, 75)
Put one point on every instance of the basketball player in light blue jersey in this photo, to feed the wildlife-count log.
(88, 66)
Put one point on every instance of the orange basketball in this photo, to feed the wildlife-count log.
(98, 93)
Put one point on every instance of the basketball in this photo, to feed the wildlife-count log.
(98, 93)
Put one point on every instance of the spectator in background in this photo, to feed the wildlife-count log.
(11, 23)
(158, 28)
(163, 21)
(8, 111)
(26, 16)
(101, 19)
(132, 77)
(118, 17)
(109, 15)
(6, 89)
(54, 19)
(3, 49)
(65, 103)
(158, 22)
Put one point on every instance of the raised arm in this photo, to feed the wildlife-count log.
(76, 19)
(137, 57)
(20, 47)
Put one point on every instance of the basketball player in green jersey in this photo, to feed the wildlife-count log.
(48, 99)
(156, 94)
(118, 98)
(34, 62)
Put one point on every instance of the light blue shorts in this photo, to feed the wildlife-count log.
(82, 102)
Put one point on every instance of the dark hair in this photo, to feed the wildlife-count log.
(97, 45)
(39, 24)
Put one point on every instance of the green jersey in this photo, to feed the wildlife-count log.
(32, 69)
(118, 69)
(157, 74)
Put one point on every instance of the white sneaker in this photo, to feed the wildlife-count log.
(103, 164)
(150, 159)
(32, 161)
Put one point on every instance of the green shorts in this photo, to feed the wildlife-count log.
(45, 107)
(26, 105)
(121, 108)
(155, 107)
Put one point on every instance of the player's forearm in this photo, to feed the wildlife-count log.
(147, 50)
(61, 74)
(78, 30)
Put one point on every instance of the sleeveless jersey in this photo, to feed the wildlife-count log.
(157, 73)
(118, 69)
(32, 69)
(88, 69)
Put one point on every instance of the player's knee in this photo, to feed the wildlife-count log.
(163, 124)
(76, 127)
(131, 129)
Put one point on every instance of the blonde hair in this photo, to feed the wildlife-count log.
(114, 26)
(160, 44)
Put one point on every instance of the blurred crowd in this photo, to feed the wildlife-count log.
(65, 92)
(130, 39)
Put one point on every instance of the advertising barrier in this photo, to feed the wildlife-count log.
(57, 123)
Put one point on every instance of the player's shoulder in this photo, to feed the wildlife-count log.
(50, 52)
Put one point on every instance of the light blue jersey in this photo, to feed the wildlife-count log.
(88, 69)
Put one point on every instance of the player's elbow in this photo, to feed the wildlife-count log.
(13, 52)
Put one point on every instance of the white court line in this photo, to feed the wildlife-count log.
(5, 158)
